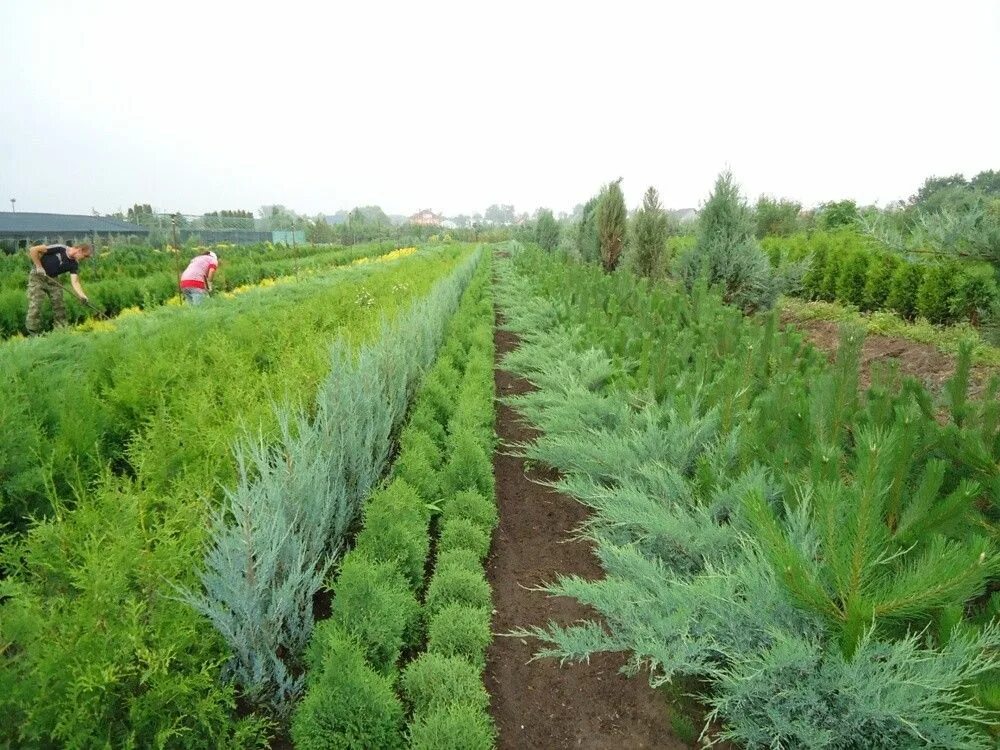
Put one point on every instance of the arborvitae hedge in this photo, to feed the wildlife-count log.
(454, 726)
(348, 704)
(846, 267)
(433, 681)
(903, 289)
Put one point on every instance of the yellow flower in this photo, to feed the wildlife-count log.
(393, 255)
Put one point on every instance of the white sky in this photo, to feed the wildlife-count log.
(198, 106)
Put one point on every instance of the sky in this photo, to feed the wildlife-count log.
(453, 106)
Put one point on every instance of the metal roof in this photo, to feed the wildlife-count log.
(21, 223)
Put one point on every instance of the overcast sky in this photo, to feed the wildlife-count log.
(198, 106)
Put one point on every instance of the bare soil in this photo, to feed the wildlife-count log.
(540, 704)
(922, 361)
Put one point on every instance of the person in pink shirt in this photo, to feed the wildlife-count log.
(196, 281)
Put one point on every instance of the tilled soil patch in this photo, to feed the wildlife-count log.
(924, 362)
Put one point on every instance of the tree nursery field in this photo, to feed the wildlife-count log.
(477, 496)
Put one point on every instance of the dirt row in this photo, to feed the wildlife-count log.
(540, 704)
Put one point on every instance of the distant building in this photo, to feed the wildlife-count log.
(426, 218)
(448, 224)
(25, 229)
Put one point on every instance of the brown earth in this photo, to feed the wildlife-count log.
(924, 362)
(540, 704)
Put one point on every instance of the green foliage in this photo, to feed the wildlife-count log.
(424, 418)
(373, 600)
(878, 281)
(776, 217)
(935, 293)
(468, 467)
(588, 243)
(838, 214)
(683, 726)
(458, 630)
(348, 704)
(374, 603)
(834, 267)
(976, 294)
(415, 440)
(546, 230)
(296, 500)
(395, 531)
(884, 560)
(460, 557)
(90, 658)
(433, 681)
(612, 220)
(903, 290)
(812, 283)
(455, 726)
(136, 426)
(807, 553)
(850, 284)
(847, 267)
(949, 218)
(457, 586)
(892, 694)
(648, 238)
(472, 507)
(416, 469)
(727, 254)
(462, 533)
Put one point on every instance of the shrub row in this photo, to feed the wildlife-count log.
(297, 498)
(383, 610)
(97, 647)
(817, 557)
(846, 267)
(165, 387)
(134, 262)
(113, 290)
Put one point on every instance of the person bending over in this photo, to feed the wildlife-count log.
(48, 263)
(196, 281)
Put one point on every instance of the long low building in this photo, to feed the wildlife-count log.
(22, 229)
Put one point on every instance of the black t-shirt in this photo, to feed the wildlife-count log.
(56, 260)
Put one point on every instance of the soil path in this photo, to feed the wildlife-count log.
(541, 704)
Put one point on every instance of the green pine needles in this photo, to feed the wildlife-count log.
(819, 557)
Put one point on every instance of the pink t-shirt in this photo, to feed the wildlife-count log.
(196, 273)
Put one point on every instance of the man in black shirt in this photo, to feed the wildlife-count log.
(49, 262)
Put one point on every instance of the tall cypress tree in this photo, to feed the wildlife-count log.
(588, 244)
(649, 233)
(546, 230)
(612, 222)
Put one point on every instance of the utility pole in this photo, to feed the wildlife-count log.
(177, 251)
(295, 253)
